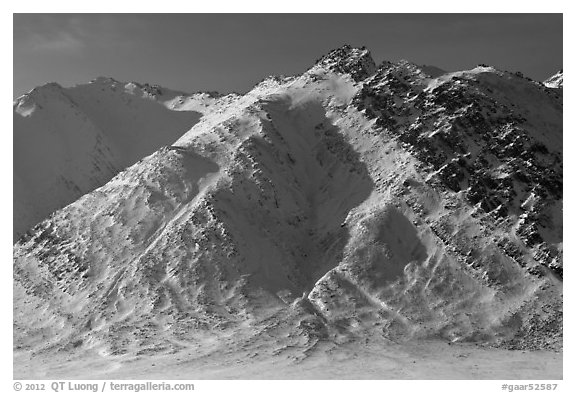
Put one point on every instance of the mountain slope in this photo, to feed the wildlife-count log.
(69, 141)
(350, 202)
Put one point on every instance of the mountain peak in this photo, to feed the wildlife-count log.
(357, 62)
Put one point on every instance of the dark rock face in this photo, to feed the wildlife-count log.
(474, 143)
(357, 62)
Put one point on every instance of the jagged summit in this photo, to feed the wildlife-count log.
(349, 203)
(357, 62)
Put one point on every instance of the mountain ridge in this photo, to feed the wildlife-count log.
(351, 201)
(100, 128)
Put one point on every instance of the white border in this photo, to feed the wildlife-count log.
(228, 6)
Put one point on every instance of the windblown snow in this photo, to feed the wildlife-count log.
(354, 203)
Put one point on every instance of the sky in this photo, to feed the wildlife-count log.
(232, 52)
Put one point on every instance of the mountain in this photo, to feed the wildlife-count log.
(556, 81)
(385, 203)
(69, 141)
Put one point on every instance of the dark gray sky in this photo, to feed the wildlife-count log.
(232, 52)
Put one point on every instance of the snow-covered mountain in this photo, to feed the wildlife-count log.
(556, 81)
(69, 141)
(348, 202)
